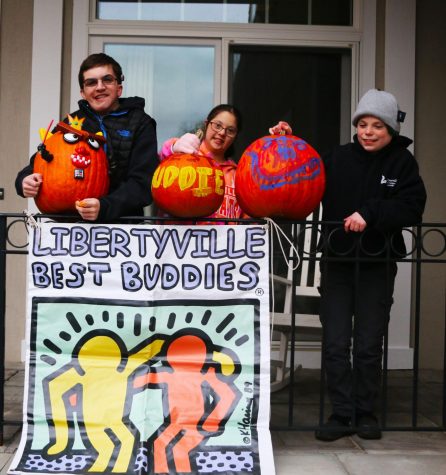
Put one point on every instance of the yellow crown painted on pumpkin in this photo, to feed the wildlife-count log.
(75, 122)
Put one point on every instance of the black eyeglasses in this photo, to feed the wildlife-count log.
(217, 127)
(106, 80)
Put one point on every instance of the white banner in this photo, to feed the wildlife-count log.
(148, 351)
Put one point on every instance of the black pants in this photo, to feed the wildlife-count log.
(355, 303)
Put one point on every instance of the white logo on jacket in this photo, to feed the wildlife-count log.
(390, 182)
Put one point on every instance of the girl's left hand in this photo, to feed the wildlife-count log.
(187, 143)
(281, 128)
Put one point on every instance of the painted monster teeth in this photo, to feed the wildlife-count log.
(79, 160)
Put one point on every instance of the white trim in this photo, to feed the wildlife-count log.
(399, 79)
(211, 30)
(399, 75)
(46, 67)
(367, 48)
(80, 48)
(46, 72)
(358, 13)
(224, 83)
(97, 42)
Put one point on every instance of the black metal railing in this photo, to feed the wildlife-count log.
(426, 253)
(312, 239)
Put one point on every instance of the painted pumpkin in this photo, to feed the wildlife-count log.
(280, 176)
(188, 186)
(73, 165)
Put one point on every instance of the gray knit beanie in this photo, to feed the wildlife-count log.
(380, 104)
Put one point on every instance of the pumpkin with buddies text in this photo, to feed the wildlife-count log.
(188, 186)
(73, 166)
(280, 176)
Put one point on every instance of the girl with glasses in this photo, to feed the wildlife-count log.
(221, 128)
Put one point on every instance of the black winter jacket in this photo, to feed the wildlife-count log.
(131, 152)
(385, 188)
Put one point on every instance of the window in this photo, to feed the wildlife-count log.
(296, 12)
(177, 82)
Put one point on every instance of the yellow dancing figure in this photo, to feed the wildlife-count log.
(97, 383)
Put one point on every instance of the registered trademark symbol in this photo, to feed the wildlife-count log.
(259, 292)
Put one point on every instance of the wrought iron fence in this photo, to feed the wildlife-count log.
(416, 389)
(298, 254)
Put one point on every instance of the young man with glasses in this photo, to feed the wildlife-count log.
(131, 146)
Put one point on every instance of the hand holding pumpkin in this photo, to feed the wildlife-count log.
(187, 143)
(279, 176)
(31, 185)
(281, 128)
(88, 208)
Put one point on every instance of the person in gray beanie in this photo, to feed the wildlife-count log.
(374, 189)
(380, 104)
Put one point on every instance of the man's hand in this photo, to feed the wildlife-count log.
(31, 185)
(355, 222)
(88, 208)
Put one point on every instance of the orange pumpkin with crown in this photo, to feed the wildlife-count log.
(73, 165)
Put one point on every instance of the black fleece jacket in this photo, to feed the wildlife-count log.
(385, 188)
(132, 155)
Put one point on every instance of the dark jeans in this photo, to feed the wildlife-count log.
(355, 304)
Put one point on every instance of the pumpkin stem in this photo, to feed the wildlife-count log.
(199, 133)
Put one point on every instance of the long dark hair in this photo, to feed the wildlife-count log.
(238, 118)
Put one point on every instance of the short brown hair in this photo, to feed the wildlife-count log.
(99, 59)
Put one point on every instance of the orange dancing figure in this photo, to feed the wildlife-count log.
(187, 398)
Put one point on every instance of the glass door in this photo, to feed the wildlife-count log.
(309, 87)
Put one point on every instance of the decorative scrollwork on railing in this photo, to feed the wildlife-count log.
(438, 235)
(312, 238)
(12, 233)
(315, 239)
(17, 229)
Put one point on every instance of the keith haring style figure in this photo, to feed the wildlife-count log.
(199, 401)
(96, 385)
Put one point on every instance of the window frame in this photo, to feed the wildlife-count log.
(360, 37)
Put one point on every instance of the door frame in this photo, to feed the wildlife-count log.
(399, 74)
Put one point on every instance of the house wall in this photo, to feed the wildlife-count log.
(16, 27)
(430, 105)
